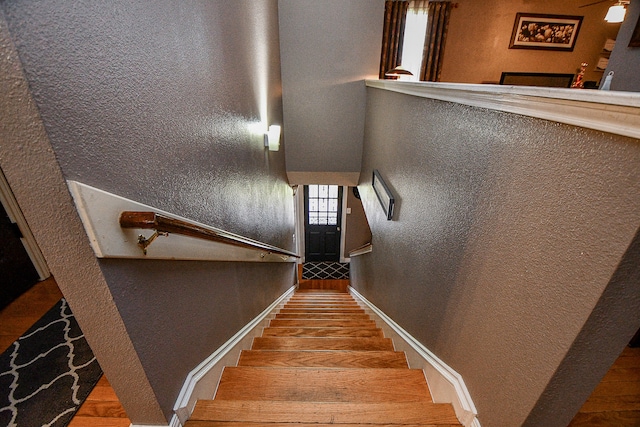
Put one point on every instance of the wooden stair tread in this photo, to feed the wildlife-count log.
(322, 323)
(322, 332)
(321, 412)
(200, 423)
(321, 291)
(308, 343)
(322, 361)
(345, 316)
(323, 385)
(327, 359)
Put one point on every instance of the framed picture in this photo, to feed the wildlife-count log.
(547, 32)
(384, 194)
(635, 37)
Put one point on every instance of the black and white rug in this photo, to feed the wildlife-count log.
(47, 373)
(325, 270)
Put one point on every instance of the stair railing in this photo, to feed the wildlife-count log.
(163, 225)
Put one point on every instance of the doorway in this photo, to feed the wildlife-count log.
(322, 222)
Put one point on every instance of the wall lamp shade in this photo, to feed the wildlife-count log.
(616, 13)
(272, 138)
(398, 71)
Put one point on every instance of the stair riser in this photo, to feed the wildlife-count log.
(344, 316)
(319, 323)
(323, 332)
(295, 343)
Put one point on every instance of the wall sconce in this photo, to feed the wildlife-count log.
(272, 138)
(398, 73)
(616, 12)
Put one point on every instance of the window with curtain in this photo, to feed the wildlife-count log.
(414, 33)
(414, 37)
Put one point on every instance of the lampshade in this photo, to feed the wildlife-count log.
(273, 137)
(616, 13)
(398, 71)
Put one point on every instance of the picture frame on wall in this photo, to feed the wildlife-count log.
(385, 196)
(545, 32)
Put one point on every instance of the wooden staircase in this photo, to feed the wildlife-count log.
(322, 361)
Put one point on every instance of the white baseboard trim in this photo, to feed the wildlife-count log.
(202, 381)
(445, 384)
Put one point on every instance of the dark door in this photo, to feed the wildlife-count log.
(17, 273)
(323, 214)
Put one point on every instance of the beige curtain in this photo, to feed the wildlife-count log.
(395, 15)
(437, 24)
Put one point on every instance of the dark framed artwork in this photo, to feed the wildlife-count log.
(385, 197)
(545, 32)
(635, 37)
(536, 79)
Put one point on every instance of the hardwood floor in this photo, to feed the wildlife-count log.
(102, 408)
(616, 400)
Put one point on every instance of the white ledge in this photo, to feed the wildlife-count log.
(608, 111)
(100, 213)
(361, 251)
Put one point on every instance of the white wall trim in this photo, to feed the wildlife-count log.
(363, 250)
(608, 111)
(100, 213)
(15, 215)
(344, 257)
(300, 221)
(202, 381)
(445, 384)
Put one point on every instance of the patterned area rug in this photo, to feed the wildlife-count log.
(325, 270)
(47, 373)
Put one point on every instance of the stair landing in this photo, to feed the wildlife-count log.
(322, 361)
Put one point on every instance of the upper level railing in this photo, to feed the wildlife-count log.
(164, 225)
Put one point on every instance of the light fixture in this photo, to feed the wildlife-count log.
(272, 138)
(616, 12)
(398, 72)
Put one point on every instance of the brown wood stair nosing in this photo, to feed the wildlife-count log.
(324, 359)
(336, 302)
(322, 332)
(327, 310)
(322, 323)
(366, 385)
(313, 343)
(322, 412)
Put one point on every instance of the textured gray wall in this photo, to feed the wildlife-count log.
(153, 101)
(327, 49)
(625, 60)
(507, 231)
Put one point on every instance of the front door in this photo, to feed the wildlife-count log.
(323, 214)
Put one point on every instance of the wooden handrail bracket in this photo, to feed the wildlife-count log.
(163, 225)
